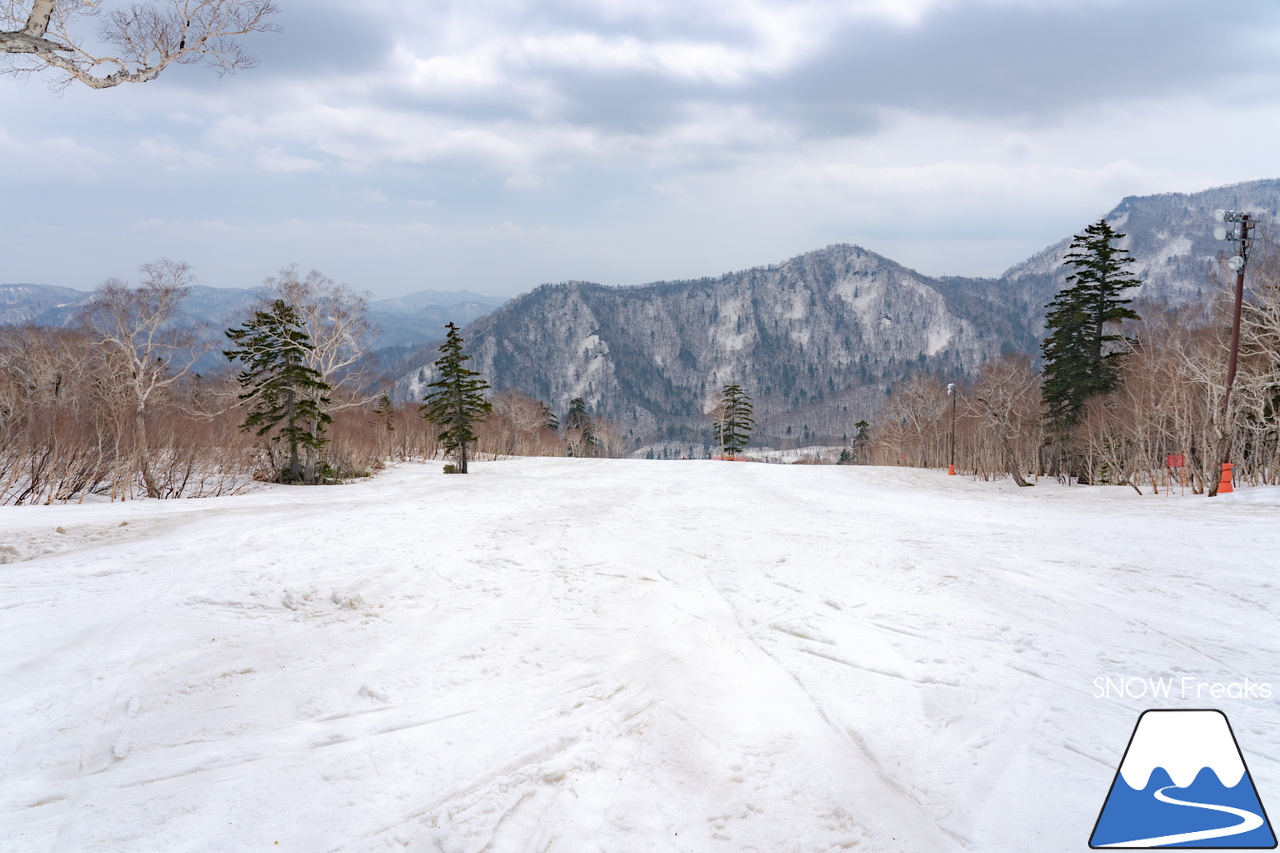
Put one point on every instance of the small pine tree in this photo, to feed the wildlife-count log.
(1080, 359)
(284, 393)
(549, 419)
(457, 402)
(385, 413)
(732, 420)
(579, 430)
(861, 442)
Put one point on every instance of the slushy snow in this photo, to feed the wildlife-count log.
(615, 655)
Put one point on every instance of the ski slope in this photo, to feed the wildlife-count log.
(614, 655)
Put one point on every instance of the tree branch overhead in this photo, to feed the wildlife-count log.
(143, 37)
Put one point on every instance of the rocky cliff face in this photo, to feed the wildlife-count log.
(819, 340)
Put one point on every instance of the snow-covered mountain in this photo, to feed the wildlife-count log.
(820, 339)
(1170, 237)
(38, 304)
(817, 340)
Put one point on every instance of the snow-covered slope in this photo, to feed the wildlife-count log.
(599, 655)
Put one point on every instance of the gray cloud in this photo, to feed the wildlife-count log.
(623, 141)
(1017, 61)
(319, 37)
(974, 60)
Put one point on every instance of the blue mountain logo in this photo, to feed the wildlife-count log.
(1183, 783)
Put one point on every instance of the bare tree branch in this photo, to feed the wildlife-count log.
(336, 318)
(135, 330)
(146, 36)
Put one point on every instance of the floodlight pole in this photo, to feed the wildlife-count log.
(1241, 237)
(1234, 356)
(951, 460)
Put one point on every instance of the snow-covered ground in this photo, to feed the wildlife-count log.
(599, 655)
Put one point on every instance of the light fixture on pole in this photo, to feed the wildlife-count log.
(951, 463)
(1236, 227)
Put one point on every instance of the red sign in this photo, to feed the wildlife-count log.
(1174, 460)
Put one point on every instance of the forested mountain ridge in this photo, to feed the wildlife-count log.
(1170, 237)
(820, 339)
(817, 340)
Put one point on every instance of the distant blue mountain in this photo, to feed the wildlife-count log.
(405, 321)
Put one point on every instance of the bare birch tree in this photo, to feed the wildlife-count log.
(912, 423)
(336, 319)
(519, 426)
(717, 411)
(1006, 399)
(139, 340)
(1257, 396)
(134, 41)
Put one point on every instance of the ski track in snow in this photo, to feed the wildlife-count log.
(599, 655)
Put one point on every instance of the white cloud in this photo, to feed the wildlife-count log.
(161, 149)
(275, 159)
(49, 159)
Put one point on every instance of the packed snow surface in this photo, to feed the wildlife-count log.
(601, 655)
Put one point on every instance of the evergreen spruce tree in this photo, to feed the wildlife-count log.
(457, 402)
(733, 422)
(284, 394)
(1080, 356)
(1080, 360)
(579, 429)
(857, 449)
(549, 419)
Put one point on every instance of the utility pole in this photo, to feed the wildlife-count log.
(951, 455)
(1236, 228)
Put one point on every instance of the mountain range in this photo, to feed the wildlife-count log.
(404, 322)
(819, 340)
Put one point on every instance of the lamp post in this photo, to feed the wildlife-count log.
(1236, 227)
(951, 455)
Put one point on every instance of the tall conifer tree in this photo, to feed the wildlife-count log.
(457, 402)
(579, 429)
(1080, 356)
(284, 393)
(733, 421)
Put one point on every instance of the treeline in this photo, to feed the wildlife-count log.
(1166, 400)
(114, 407)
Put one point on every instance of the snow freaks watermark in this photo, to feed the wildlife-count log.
(1182, 687)
(1183, 782)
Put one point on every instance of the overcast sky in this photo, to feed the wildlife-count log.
(493, 145)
